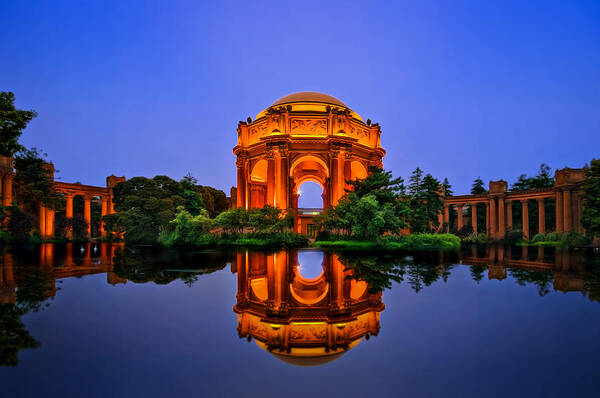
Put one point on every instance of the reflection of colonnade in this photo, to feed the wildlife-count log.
(565, 266)
(77, 260)
(302, 321)
(566, 196)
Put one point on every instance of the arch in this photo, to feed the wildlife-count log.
(259, 171)
(358, 170)
(309, 157)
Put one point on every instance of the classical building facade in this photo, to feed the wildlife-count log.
(46, 217)
(565, 197)
(304, 136)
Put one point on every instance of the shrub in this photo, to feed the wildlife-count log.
(478, 239)
(538, 238)
(513, 236)
(574, 239)
(553, 237)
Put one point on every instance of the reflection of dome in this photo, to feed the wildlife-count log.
(304, 322)
(309, 101)
(309, 356)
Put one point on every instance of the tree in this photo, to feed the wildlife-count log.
(542, 180)
(189, 192)
(591, 200)
(145, 206)
(478, 187)
(373, 206)
(425, 202)
(12, 123)
(35, 179)
(447, 188)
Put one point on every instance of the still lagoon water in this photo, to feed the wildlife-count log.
(107, 320)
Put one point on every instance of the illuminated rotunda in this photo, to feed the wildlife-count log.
(305, 136)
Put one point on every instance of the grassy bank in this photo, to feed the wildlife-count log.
(551, 239)
(391, 243)
(250, 240)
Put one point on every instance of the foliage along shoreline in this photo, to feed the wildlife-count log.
(379, 212)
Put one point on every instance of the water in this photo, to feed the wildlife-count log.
(108, 320)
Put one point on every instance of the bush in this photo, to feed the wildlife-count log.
(574, 239)
(513, 236)
(478, 239)
(538, 238)
(553, 237)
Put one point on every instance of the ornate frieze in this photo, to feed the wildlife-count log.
(309, 126)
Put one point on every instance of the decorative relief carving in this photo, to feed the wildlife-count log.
(258, 131)
(309, 126)
(357, 131)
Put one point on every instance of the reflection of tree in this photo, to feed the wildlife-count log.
(13, 334)
(541, 279)
(149, 264)
(477, 272)
(422, 275)
(591, 275)
(377, 272)
(381, 271)
(31, 294)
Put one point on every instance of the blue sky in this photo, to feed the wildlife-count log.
(461, 89)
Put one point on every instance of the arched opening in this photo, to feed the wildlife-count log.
(310, 195)
(310, 202)
(310, 264)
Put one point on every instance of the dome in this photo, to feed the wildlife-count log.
(309, 101)
(309, 96)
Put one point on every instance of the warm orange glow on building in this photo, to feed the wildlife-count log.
(304, 136)
(298, 320)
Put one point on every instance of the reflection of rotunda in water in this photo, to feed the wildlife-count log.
(302, 315)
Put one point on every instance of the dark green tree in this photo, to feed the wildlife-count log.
(370, 208)
(12, 123)
(447, 187)
(144, 206)
(590, 219)
(35, 179)
(478, 187)
(190, 194)
(425, 202)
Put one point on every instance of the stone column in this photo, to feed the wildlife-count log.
(559, 212)
(509, 215)
(42, 221)
(525, 211)
(241, 184)
(492, 214)
(487, 219)
(271, 180)
(69, 214)
(577, 212)
(446, 213)
(334, 172)
(87, 213)
(7, 190)
(474, 217)
(103, 213)
(567, 211)
(284, 177)
(49, 223)
(501, 219)
(541, 216)
(459, 216)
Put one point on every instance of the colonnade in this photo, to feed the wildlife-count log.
(567, 195)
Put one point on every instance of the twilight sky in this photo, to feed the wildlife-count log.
(461, 89)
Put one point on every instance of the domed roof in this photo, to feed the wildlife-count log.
(309, 96)
(309, 101)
